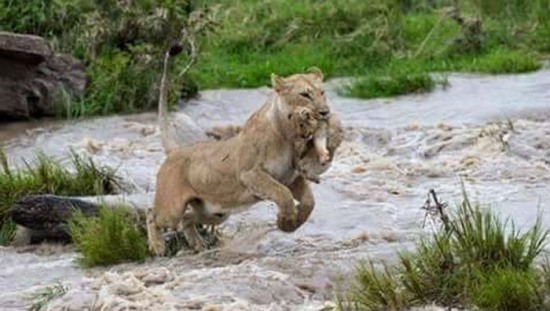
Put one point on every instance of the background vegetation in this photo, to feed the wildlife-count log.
(399, 40)
(392, 45)
(122, 44)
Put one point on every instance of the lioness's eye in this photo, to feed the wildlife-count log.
(322, 93)
(306, 95)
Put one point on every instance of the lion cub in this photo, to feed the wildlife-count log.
(310, 128)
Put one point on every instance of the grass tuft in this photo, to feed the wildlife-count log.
(47, 176)
(478, 262)
(115, 236)
(507, 289)
(504, 61)
(395, 84)
(42, 298)
(7, 232)
(378, 290)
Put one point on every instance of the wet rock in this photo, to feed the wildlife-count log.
(47, 216)
(33, 76)
(29, 48)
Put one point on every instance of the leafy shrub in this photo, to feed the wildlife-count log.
(48, 18)
(114, 237)
(42, 298)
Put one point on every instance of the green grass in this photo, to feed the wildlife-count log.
(401, 77)
(44, 175)
(377, 41)
(114, 237)
(43, 297)
(7, 232)
(395, 84)
(503, 61)
(480, 261)
(507, 289)
(374, 41)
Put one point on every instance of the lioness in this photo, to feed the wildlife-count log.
(218, 178)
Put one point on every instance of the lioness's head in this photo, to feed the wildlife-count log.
(302, 90)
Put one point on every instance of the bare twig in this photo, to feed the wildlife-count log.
(193, 52)
(428, 36)
(436, 209)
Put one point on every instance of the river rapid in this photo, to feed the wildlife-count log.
(492, 132)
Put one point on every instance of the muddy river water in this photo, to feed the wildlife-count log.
(492, 132)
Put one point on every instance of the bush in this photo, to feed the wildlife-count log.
(114, 237)
(477, 261)
(49, 18)
(119, 84)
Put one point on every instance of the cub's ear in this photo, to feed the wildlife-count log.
(316, 72)
(277, 82)
(305, 114)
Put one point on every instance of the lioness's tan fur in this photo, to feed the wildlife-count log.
(218, 178)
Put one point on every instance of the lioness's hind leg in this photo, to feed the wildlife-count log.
(155, 238)
(171, 200)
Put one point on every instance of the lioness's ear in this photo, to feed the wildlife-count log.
(316, 72)
(277, 82)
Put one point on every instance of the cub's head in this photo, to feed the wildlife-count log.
(304, 123)
(303, 90)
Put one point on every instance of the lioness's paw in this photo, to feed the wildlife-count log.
(287, 223)
(324, 157)
(157, 249)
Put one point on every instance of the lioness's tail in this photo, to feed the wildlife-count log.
(177, 130)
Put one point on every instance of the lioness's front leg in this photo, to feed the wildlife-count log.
(264, 186)
(302, 192)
